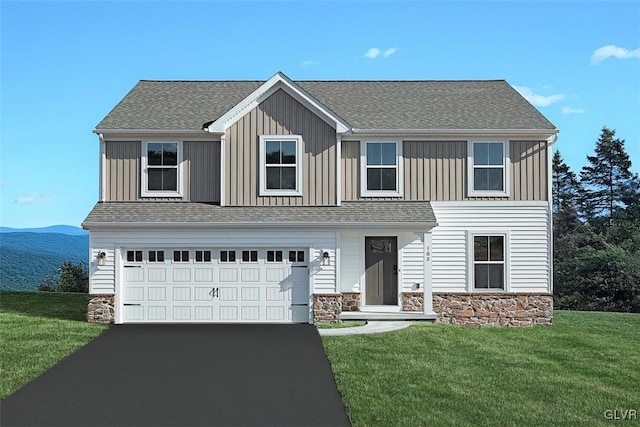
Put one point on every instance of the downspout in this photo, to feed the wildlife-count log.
(102, 179)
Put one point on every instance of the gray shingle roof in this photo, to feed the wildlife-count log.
(356, 213)
(427, 104)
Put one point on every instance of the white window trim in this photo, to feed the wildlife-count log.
(471, 192)
(364, 192)
(144, 191)
(471, 262)
(263, 167)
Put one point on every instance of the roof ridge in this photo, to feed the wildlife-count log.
(330, 81)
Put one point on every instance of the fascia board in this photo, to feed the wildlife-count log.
(254, 98)
(541, 133)
(98, 226)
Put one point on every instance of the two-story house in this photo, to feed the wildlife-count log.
(310, 201)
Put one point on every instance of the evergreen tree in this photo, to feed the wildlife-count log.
(566, 187)
(609, 184)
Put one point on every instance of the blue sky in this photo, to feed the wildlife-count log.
(64, 65)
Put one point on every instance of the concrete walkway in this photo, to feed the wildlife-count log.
(372, 327)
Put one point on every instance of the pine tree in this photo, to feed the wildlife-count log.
(566, 187)
(609, 184)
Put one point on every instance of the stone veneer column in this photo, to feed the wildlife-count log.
(493, 309)
(101, 308)
(413, 301)
(327, 308)
(351, 301)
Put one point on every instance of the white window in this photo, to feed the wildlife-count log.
(156, 256)
(381, 168)
(161, 169)
(227, 256)
(181, 256)
(280, 165)
(203, 256)
(489, 268)
(488, 168)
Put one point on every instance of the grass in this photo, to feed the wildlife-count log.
(346, 324)
(439, 375)
(37, 330)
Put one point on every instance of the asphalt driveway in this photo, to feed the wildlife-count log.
(186, 375)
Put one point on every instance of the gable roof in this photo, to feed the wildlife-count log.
(404, 214)
(364, 105)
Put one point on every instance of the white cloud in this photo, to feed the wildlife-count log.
(611, 50)
(372, 53)
(569, 110)
(32, 198)
(310, 63)
(539, 100)
(389, 52)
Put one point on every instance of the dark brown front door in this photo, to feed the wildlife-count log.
(381, 265)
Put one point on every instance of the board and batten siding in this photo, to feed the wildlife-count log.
(280, 114)
(201, 171)
(437, 170)
(528, 228)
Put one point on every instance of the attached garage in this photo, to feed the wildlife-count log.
(231, 285)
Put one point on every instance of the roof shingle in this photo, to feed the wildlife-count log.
(408, 105)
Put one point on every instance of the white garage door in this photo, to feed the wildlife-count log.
(214, 285)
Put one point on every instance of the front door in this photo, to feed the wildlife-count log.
(381, 266)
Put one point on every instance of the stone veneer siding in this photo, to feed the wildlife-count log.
(494, 309)
(412, 301)
(327, 308)
(351, 301)
(101, 308)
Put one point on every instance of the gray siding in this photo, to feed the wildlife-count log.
(202, 167)
(437, 171)
(201, 171)
(280, 114)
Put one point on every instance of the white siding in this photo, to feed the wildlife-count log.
(103, 278)
(527, 225)
(412, 264)
(351, 261)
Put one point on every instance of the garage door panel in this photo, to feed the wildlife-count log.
(250, 313)
(201, 293)
(275, 274)
(228, 275)
(181, 293)
(228, 293)
(182, 313)
(204, 274)
(249, 293)
(250, 275)
(203, 313)
(134, 293)
(276, 294)
(277, 313)
(134, 274)
(156, 293)
(157, 274)
(157, 313)
(228, 313)
(182, 274)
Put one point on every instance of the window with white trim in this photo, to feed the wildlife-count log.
(488, 171)
(280, 165)
(156, 256)
(227, 256)
(203, 256)
(134, 256)
(489, 261)
(161, 168)
(381, 168)
(249, 256)
(181, 256)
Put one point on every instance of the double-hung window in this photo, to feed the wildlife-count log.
(161, 168)
(381, 168)
(280, 165)
(488, 168)
(489, 256)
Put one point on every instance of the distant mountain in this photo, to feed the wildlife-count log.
(58, 229)
(27, 257)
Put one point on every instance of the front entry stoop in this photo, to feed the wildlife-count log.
(389, 316)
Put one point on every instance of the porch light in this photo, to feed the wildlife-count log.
(325, 258)
(101, 257)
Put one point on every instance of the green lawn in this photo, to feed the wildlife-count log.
(37, 329)
(439, 375)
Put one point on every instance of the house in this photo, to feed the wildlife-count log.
(312, 201)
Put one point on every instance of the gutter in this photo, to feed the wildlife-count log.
(471, 132)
